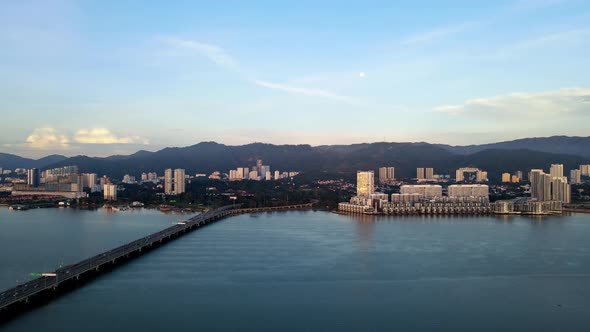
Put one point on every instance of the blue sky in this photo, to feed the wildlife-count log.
(111, 77)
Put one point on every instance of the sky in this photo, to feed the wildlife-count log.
(112, 77)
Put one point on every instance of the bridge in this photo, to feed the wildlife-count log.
(49, 285)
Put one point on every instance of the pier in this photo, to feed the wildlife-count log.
(50, 285)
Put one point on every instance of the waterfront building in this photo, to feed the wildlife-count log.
(556, 170)
(506, 177)
(560, 190)
(545, 187)
(365, 183)
(110, 192)
(540, 185)
(527, 206)
(168, 182)
(33, 177)
(427, 191)
(575, 176)
(179, 181)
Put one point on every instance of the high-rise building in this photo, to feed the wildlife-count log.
(560, 190)
(426, 190)
(179, 181)
(575, 176)
(365, 183)
(168, 182)
(89, 180)
(110, 192)
(520, 175)
(506, 177)
(585, 170)
(420, 173)
(515, 179)
(556, 170)
(277, 175)
(259, 166)
(386, 174)
(267, 176)
(33, 177)
(264, 169)
(540, 185)
(429, 173)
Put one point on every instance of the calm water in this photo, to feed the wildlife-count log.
(317, 271)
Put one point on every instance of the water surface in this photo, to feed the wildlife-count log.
(318, 271)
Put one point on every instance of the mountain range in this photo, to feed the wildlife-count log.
(205, 157)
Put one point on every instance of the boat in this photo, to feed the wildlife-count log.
(165, 208)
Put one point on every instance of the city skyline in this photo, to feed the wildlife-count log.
(471, 73)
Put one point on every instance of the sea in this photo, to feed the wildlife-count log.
(308, 271)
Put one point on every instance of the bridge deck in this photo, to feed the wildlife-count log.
(23, 292)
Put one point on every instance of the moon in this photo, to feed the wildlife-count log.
(362, 74)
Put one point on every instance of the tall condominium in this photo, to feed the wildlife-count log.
(386, 174)
(110, 192)
(420, 173)
(89, 180)
(506, 177)
(575, 176)
(429, 173)
(168, 182)
(560, 190)
(179, 181)
(585, 170)
(426, 190)
(33, 177)
(259, 166)
(480, 175)
(545, 187)
(365, 183)
(540, 185)
(556, 170)
(520, 175)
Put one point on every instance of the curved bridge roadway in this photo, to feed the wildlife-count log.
(21, 294)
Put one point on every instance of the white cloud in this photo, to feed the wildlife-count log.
(561, 103)
(213, 52)
(46, 139)
(437, 33)
(556, 40)
(104, 136)
(305, 91)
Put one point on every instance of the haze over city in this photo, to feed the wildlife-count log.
(115, 77)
